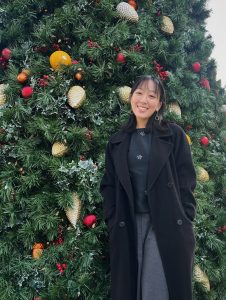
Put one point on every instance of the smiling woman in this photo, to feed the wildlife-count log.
(215, 24)
(145, 100)
(147, 187)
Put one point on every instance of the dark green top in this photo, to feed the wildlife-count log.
(138, 157)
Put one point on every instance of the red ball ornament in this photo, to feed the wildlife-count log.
(196, 67)
(27, 92)
(204, 141)
(120, 58)
(6, 53)
(89, 221)
(205, 84)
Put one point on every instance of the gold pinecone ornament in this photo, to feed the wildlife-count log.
(59, 149)
(175, 108)
(127, 12)
(73, 212)
(202, 174)
(201, 277)
(124, 93)
(2, 94)
(167, 25)
(188, 139)
(76, 96)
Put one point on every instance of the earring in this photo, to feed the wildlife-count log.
(157, 116)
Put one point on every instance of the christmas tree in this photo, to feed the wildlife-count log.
(65, 76)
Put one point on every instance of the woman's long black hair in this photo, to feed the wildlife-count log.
(130, 126)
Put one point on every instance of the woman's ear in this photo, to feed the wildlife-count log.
(159, 106)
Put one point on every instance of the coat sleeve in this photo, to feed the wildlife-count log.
(107, 186)
(186, 173)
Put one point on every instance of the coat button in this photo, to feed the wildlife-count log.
(179, 222)
(145, 192)
(170, 184)
(122, 224)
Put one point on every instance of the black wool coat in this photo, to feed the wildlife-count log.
(171, 181)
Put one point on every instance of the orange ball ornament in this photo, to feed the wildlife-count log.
(37, 250)
(59, 58)
(22, 77)
(78, 76)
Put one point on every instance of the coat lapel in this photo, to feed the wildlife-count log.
(160, 151)
(121, 164)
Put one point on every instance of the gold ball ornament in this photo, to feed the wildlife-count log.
(188, 139)
(202, 174)
(59, 149)
(127, 12)
(167, 25)
(201, 277)
(76, 96)
(73, 212)
(2, 94)
(175, 108)
(59, 58)
(124, 93)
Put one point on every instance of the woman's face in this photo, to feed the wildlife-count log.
(144, 102)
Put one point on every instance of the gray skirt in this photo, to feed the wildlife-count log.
(151, 281)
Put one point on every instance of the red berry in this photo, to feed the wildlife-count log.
(6, 53)
(204, 141)
(55, 47)
(89, 220)
(196, 67)
(120, 58)
(27, 92)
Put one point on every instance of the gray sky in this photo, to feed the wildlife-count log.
(216, 26)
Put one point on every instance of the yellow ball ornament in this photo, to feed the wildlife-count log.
(59, 58)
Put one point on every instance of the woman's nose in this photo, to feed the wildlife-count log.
(144, 98)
